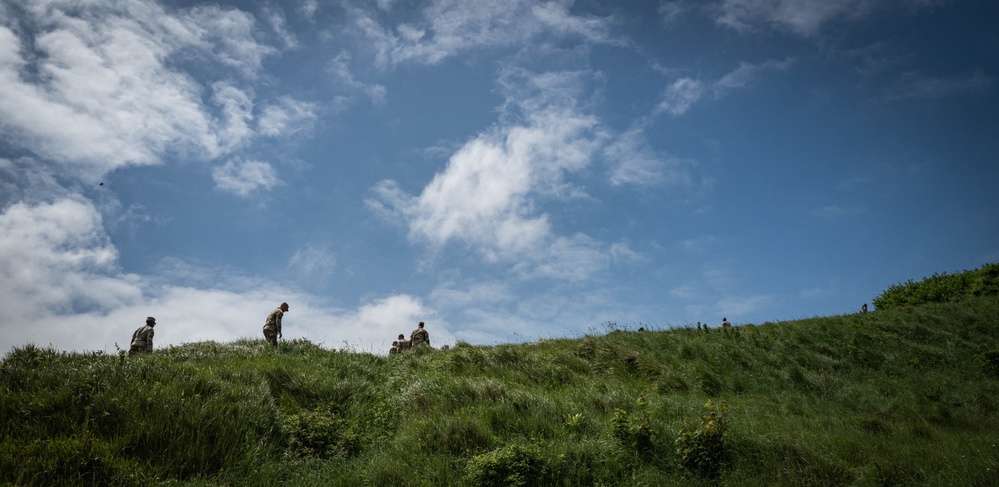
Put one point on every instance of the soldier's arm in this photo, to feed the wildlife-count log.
(149, 341)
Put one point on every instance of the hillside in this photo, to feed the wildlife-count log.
(904, 396)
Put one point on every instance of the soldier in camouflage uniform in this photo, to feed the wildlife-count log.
(725, 323)
(403, 343)
(419, 337)
(142, 338)
(272, 327)
(395, 348)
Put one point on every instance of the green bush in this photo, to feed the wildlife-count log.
(988, 360)
(704, 450)
(634, 433)
(508, 466)
(320, 434)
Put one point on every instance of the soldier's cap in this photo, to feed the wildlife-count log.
(150, 320)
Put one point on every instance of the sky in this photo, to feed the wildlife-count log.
(505, 171)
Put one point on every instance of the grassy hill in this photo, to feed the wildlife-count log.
(903, 396)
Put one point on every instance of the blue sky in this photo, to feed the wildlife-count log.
(504, 171)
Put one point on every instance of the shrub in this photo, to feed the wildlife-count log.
(988, 360)
(320, 434)
(509, 466)
(704, 450)
(634, 434)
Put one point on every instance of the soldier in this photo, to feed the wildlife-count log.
(272, 327)
(725, 323)
(403, 343)
(419, 336)
(142, 338)
(395, 348)
(863, 309)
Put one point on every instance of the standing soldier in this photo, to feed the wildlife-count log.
(142, 338)
(725, 323)
(863, 309)
(272, 327)
(403, 343)
(419, 337)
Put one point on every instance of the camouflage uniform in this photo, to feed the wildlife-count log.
(403, 343)
(419, 337)
(272, 327)
(725, 323)
(142, 338)
(395, 348)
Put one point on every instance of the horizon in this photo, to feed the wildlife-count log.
(504, 173)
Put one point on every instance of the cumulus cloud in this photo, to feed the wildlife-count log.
(489, 194)
(101, 85)
(63, 287)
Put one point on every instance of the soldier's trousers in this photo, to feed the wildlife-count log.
(271, 335)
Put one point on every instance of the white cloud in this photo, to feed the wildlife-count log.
(806, 18)
(489, 194)
(802, 17)
(484, 196)
(445, 28)
(378, 323)
(683, 93)
(237, 113)
(244, 177)
(55, 257)
(670, 11)
(62, 287)
(277, 22)
(915, 85)
(745, 74)
(633, 162)
(286, 116)
(339, 67)
(97, 86)
(680, 96)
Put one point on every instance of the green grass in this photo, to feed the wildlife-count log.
(905, 396)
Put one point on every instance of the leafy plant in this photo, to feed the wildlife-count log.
(320, 434)
(509, 466)
(704, 449)
(635, 433)
(988, 360)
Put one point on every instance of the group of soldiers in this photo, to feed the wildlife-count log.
(142, 338)
(418, 338)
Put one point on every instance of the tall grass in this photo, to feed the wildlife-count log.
(903, 396)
